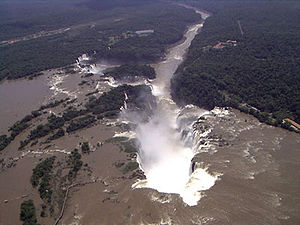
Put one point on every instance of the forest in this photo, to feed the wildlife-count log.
(247, 56)
(109, 103)
(91, 27)
(130, 71)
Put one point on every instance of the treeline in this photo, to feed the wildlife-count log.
(168, 29)
(32, 56)
(262, 70)
(56, 135)
(75, 162)
(130, 71)
(23, 124)
(81, 123)
(17, 128)
(49, 182)
(53, 104)
(107, 105)
(21, 18)
(53, 123)
(110, 103)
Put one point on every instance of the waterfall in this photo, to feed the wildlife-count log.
(167, 140)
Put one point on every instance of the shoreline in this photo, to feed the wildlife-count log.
(239, 147)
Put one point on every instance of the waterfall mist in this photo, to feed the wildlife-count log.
(166, 149)
(166, 139)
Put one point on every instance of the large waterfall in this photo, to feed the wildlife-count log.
(167, 141)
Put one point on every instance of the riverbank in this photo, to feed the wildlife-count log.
(249, 162)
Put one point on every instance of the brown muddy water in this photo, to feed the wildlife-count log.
(19, 97)
(259, 182)
(258, 166)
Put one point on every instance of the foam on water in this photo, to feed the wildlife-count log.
(166, 160)
(55, 84)
(167, 141)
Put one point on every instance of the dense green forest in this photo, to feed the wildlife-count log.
(259, 73)
(94, 26)
(109, 103)
(130, 71)
(19, 18)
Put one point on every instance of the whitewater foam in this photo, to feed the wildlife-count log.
(168, 141)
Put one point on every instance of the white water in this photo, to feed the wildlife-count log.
(164, 156)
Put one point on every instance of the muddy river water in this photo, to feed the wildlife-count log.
(19, 97)
(245, 172)
(254, 169)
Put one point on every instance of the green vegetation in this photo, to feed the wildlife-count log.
(75, 162)
(17, 128)
(92, 26)
(43, 212)
(81, 123)
(129, 146)
(4, 141)
(260, 75)
(130, 166)
(91, 93)
(53, 123)
(115, 140)
(52, 104)
(72, 113)
(27, 213)
(130, 71)
(23, 143)
(85, 148)
(41, 176)
(42, 130)
(58, 134)
(109, 103)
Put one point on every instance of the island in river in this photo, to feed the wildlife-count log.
(250, 161)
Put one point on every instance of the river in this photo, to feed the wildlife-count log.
(166, 161)
(244, 172)
(225, 168)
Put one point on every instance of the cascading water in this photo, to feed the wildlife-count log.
(167, 139)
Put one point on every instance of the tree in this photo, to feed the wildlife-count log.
(28, 214)
(85, 148)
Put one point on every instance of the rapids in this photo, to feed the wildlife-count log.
(167, 140)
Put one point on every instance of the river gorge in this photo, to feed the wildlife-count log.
(198, 167)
